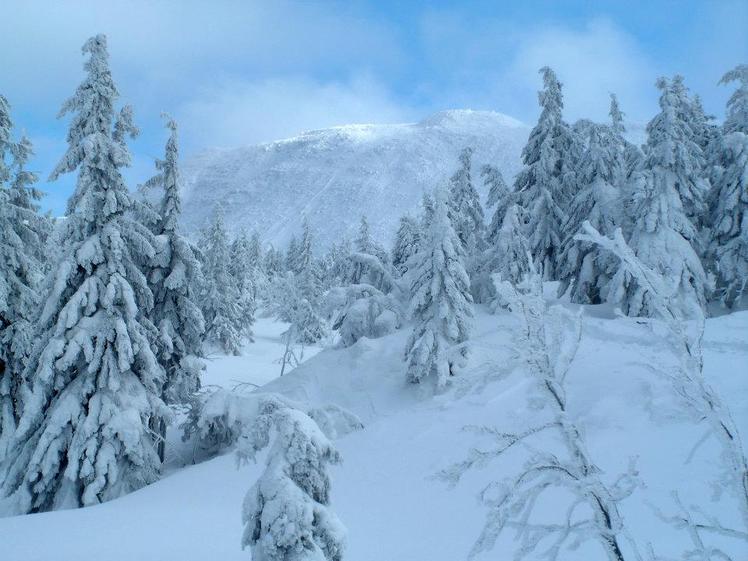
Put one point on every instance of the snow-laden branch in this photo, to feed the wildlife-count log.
(547, 352)
(688, 381)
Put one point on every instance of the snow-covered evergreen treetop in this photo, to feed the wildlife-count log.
(737, 106)
(92, 383)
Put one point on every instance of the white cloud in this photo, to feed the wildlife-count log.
(241, 112)
(591, 62)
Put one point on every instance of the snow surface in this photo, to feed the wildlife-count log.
(384, 492)
(335, 175)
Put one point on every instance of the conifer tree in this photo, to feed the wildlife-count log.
(309, 271)
(542, 185)
(689, 162)
(220, 296)
(499, 197)
(509, 255)
(465, 207)
(728, 250)
(174, 283)
(629, 156)
(441, 301)
(273, 263)
(244, 275)
(583, 266)
(406, 243)
(292, 255)
(662, 233)
(21, 233)
(93, 378)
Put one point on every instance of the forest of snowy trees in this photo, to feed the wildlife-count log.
(107, 313)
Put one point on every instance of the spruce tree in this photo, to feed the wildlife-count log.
(93, 378)
(499, 196)
(662, 233)
(583, 266)
(728, 250)
(220, 296)
(542, 186)
(736, 119)
(21, 233)
(243, 272)
(465, 207)
(689, 161)
(292, 255)
(441, 304)
(407, 239)
(174, 283)
(510, 253)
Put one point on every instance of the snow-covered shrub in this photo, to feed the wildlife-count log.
(361, 310)
(218, 419)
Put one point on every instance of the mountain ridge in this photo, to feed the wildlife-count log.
(334, 175)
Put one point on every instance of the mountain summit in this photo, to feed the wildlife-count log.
(333, 176)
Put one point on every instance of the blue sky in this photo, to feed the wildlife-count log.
(242, 72)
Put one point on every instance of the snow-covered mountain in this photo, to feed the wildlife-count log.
(335, 175)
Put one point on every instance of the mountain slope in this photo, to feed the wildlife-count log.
(334, 175)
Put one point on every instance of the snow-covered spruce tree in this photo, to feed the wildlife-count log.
(407, 239)
(543, 185)
(363, 244)
(499, 196)
(629, 156)
(736, 119)
(286, 302)
(509, 254)
(583, 267)
(546, 351)
(21, 234)
(441, 305)
(292, 255)
(273, 263)
(728, 251)
(174, 283)
(338, 263)
(465, 208)
(308, 269)
(662, 234)
(257, 264)
(242, 267)
(220, 296)
(93, 378)
(287, 513)
(688, 161)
